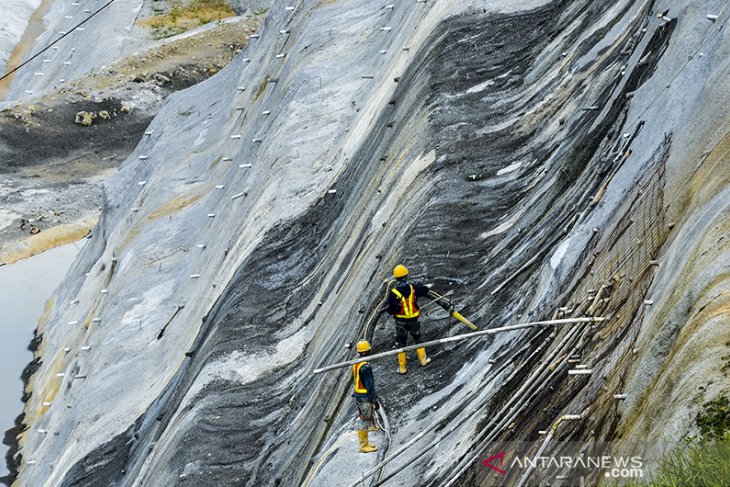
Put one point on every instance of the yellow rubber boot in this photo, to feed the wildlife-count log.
(365, 446)
(422, 357)
(402, 363)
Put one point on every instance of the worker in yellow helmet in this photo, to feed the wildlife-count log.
(403, 305)
(365, 396)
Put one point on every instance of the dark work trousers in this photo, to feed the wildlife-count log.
(366, 414)
(403, 328)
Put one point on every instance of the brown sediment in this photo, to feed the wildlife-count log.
(34, 29)
(174, 205)
(46, 240)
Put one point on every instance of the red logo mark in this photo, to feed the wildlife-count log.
(488, 463)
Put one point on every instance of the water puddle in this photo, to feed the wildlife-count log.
(24, 289)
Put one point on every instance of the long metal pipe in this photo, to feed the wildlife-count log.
(439, 421)
(514, 405)
(549, 437)
(433, 425)
(432, 443)
(501, 420)
(512, 408)
(457, 338)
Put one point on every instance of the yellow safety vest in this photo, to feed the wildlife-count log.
(408, 307)
(359, 387)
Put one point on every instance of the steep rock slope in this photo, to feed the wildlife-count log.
(112, 34)
(88, 35)
(16, 14)
(493, 150)
(51, 167)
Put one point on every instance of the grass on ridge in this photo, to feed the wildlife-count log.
(703, 461)
(184, 15)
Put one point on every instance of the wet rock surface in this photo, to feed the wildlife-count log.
(528, 158)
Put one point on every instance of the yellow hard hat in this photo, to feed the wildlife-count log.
(400, 271)
(363, 346)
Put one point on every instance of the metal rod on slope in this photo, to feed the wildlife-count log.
(448, 306)
(502, 417)
(549, 437)
(432, 426)
(439, 299)
(16, 68)
(458, 338)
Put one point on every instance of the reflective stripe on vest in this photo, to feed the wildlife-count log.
(408, 307)
(359, 387)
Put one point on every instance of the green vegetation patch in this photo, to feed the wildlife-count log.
(262, 87)
(188, 112)
(702, 461)
(696, 464)
(183, 15)
(726, 364)
(714, 420)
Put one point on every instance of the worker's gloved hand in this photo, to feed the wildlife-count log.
(376, 405)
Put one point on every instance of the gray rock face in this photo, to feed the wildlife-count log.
(517, 154)
(250, 6)
(16, 14)
(111, 34)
